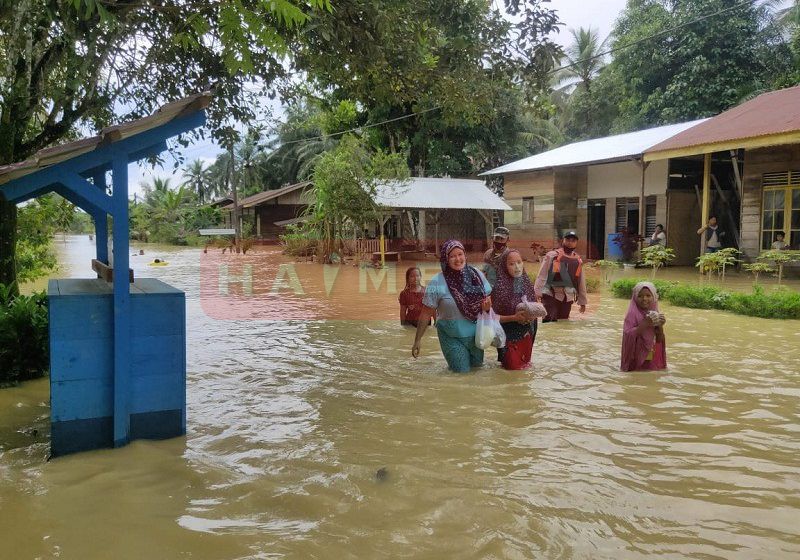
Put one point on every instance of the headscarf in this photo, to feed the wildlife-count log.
(466, 286)
(508, 290)
(636, 347)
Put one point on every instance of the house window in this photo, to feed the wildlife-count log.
(628, 214)
(527, 210)
(780, 208)
(650, 215)
(538, 209)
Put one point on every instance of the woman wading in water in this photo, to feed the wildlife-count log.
(455, 297)
(643, 344)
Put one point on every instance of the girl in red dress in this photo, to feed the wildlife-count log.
(411, 297)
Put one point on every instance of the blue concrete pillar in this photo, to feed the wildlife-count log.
(122, 301)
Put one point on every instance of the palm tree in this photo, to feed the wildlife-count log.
(582, 61)
(197, 178)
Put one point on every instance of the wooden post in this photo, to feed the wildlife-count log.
(383, 219)
(706, 198)
(436, 234)
(237, 224)
(642, 205)
(100, 222)
(122, 301)
(421, 233)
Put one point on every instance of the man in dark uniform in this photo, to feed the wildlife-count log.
(492, 258)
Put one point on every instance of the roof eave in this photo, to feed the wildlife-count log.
(783, 138)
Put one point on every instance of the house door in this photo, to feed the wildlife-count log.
(683, 218)
(597, 229)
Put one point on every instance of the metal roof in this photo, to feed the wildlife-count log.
(769, 119)
(57, 154)
(598, 150)
(438, 194)
(266, 196)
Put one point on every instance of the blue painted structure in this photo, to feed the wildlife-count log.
(82, 363)
(614, 250)
(104, 390)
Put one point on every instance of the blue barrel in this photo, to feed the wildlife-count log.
(614, 250)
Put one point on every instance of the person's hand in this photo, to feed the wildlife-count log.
(538, 299)
(582, 309)
(415, 350)
(522, 316)
(486, 304)
(661, 318)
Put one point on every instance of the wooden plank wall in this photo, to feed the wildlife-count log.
(756, 163)
(516, 187)
(570, 184)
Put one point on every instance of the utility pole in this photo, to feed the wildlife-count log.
(232, 185)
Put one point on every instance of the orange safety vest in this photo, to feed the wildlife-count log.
(555, 269)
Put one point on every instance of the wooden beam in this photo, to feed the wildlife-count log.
(706, 198)
(746, 143)
(106, 272)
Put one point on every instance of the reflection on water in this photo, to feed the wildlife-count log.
(288, 422)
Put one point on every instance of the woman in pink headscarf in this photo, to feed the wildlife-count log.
(643, 344)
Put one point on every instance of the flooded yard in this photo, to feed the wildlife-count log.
(297, 398)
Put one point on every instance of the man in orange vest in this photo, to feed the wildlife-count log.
(561, 282)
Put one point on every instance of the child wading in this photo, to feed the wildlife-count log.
(643, 344)
(519, 325)
(411, 297)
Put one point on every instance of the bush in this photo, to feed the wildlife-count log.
(780, 304)
(24, 340)
(592, 284)
(624, 288)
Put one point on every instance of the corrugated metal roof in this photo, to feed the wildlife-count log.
(598, 150)
(439, 194)
(773, 113)
(57, 154)
(266, 196)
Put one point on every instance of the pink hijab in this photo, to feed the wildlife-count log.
(636, 347)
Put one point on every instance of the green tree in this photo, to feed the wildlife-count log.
(344, 184)
(707, 56)
(197, 179)
(463, 66)
(583, 59)
(71, 62)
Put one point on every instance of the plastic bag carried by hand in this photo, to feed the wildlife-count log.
(488, 331)
(535, 309)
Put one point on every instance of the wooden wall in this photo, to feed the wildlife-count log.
(518, 186)
(756, 163)
(570, 184)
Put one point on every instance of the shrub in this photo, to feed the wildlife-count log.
(697, 297)
(624, 288)
(657, 256)
(780, 304)
(24, 342)
(592, 284)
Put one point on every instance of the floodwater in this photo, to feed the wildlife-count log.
(290, 419)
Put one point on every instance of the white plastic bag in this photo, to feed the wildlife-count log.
(488, 331)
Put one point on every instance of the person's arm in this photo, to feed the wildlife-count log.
(422, 325)
(403, 312)
(541, 278)
(701, 230)
(582, 298)
(518, 317)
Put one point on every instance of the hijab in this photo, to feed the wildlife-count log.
(635, 348)
(508, 290)
(466, 285)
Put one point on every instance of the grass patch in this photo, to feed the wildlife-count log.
(779, 304)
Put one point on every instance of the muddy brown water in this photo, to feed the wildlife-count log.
(289, 420)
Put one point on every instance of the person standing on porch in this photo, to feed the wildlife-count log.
(561, 282)
(713, 235)
(493, 257)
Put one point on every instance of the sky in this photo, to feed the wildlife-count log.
(599, 14)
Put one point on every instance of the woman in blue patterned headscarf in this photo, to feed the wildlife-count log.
(455, 296)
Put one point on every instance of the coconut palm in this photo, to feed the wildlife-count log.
(197, 178)
(582, 61)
